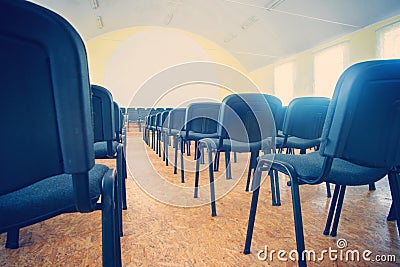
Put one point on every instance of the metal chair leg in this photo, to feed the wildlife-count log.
(338, 210)
(228, 168)
(331, 210)
(212, 186)
(253, 210)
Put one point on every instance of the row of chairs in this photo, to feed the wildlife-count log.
(49, 168)
(360, 145)
(361, 110)
(136, 115)
(201, 120)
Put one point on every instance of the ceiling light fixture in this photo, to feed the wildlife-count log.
(94, 3)
(99, 22)
(273, 4)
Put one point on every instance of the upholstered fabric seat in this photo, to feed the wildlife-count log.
(101, 152)
(364, 110)
(308, 167)
(32, 202)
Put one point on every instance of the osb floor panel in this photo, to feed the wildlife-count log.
(158, 234)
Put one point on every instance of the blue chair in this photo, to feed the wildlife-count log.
(245, 124)
(303, 123)
(51, 170)
(365, 109)
(279, 123)
(174, 125)
(142, 113)
(302, 129)
(275, 105)
(106, 125)
(133, 116)
(200, 122)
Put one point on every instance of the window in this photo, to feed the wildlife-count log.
(284, 82)
(328, 66)
(389, 41)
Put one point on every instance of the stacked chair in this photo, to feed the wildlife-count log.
(364, 110)
(51, 170)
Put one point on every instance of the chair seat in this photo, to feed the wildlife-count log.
(100, 149)
(174, 132)
(197, 136)
(308, 166)
(45, 199)
(298, 143)
(235, 146)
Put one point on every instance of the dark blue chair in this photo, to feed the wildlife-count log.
(279, 123)
(163, 130)
(302, 130)
(173, 125)
(200, 122)
(275, 105)
(303, 123)
(106, 125)
(365, 109)
(245, 124)
(142, 113)
(133, 116)
(51, 169)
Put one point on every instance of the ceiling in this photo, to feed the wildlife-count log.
(256, 32)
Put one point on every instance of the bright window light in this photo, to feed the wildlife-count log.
(389, 41)
(328, 66)
(284, 82)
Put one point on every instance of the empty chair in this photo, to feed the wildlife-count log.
(275, 105)
(200, 122)
(302, 129)
(245, 124)
(163, 129)
(133, 116)
(279, 123)
(364, 111)
(303, 123)
(106, 124)
(161, 117)
(142, 112)
(173, 125)
(52, 169)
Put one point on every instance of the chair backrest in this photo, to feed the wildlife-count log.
(103, 114)
(118, 121)
(281, 116)
(133, 114)
(275, 104)
(44, 72)
(152, 119)
(142, 113)
(176, 119)
(163, 123)
(159, 119)
(362, 124)
(202, 117)
(246, 118)
(305, 117)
